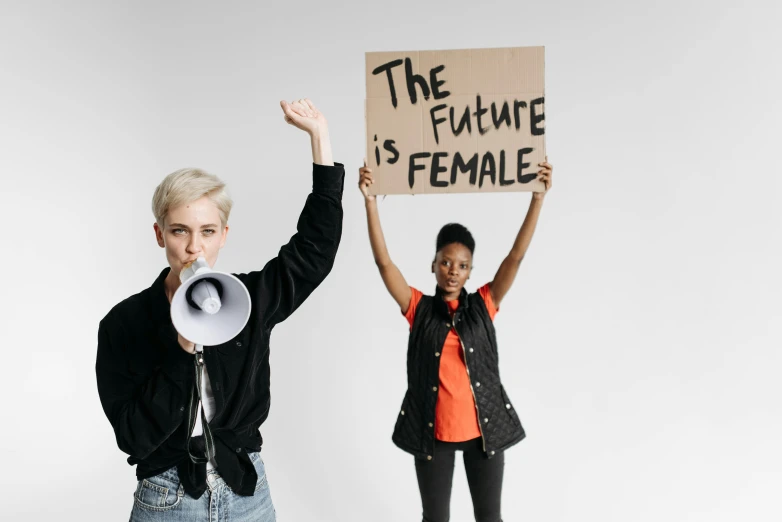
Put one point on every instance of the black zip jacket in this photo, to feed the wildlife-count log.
(499, 423)
(146, 380)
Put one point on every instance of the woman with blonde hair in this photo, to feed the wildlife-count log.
(204, 463)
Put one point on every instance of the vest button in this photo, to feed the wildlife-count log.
(448, 325)
(434, 388)
(492, 453)
(403, 412)
(471, 350)
(478, 384)
(437, 354)
(431, 425)
(428, 457)
(507, 406)
(485, 420)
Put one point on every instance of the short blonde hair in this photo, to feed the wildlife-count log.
(185, 186)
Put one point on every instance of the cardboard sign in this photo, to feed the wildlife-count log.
(455, 121)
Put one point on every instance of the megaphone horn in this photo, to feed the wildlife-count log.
(209, 307)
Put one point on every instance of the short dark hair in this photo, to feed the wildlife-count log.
(455, 233)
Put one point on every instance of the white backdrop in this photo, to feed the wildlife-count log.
(640, 343)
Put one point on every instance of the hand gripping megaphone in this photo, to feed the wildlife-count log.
(209, 307)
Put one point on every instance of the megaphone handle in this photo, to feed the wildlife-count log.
(207, 433)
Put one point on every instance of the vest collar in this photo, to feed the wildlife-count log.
(442, 308)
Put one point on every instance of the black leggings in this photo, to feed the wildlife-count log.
(483, 475)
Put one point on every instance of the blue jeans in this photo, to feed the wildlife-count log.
(163, 499)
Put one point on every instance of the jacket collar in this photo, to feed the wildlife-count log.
(159, 308)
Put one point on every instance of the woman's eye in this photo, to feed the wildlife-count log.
(209, 232)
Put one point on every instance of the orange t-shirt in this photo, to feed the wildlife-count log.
(456, 419)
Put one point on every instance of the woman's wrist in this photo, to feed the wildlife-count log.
(321, 147)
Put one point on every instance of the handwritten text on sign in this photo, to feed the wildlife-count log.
(455, 121)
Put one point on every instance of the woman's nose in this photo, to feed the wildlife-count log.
(194, 246)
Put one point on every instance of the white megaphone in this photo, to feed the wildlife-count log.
(210, 307)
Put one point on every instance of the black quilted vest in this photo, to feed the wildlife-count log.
(414, 430)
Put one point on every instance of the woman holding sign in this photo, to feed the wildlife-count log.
(454, 400)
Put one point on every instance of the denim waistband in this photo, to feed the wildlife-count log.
(213, 478)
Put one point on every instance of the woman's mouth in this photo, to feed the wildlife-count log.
(452, 282)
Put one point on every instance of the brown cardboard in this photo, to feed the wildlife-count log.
(498, 76)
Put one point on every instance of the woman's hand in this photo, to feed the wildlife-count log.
(185, 344)
(365, 180)
(304, 115)
(545, 174)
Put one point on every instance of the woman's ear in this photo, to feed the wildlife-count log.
(159, 236)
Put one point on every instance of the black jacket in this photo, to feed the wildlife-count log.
(146, 380)
(499, 423)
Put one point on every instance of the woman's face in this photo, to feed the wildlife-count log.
(191, 231)
(451, 267)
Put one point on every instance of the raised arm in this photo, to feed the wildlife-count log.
(304, 262)
(509, 267)
(392, 277)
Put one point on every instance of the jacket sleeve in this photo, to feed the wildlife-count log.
(143, 412)
(305, 261)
